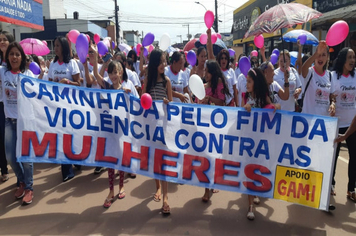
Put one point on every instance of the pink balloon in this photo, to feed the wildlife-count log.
(214, 38)
(259, 41)
(209, 19)
(269, 106)
(219, 35)
(146, 101)
(44, 42)
(96, 38)
(337, 33)
(203, 38)
(138, 47)
(150, 48)
(88, 37)
(254, 53)
(73, 35)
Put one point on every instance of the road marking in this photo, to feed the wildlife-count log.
(344, 160)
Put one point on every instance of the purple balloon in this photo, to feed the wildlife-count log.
(232, 52)
(191, 58)
(244, 65)
(302, 39)
(275, 51)
(82, 46)
(145, 52)
(102, 48)
(274, 58)
(148, 39)
(35, 68)
(113, 44)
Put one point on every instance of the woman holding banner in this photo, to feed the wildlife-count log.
(5, 39)
(119, 80)
(343, 89)
(9, 76)
(256, 96)
(159, 87)
(64, 70)
(216, 90)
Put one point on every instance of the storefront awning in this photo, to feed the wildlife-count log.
(328, 18)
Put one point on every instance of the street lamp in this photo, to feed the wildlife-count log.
(202, 5)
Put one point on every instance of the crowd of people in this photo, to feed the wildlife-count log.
(307, 87)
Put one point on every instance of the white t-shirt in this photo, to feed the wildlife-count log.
(274, 88)
(294, 83)
(9, 91)
(317, 96)
(178, 81)
(187, 74)
(91, 71)
(345, 89)
(237, 72)
(128, 84)
(133, 77)
(241, 87)
(58, 71)
(231, 81)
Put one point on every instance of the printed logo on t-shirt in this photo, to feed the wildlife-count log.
(347, 97)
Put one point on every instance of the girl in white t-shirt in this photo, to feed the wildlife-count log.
(293, 80)
(343, 88)
(177, 78)
(64, 70)
(9, 76)
(223, 60)
(5, 39)
(317, 83)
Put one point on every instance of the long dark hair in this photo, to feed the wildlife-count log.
(124, 74)
(65, 49)
(23, 56)
(260, 87)
(132, 52)
(215, 71)
(200, 49)
(11, 39)
(130, 62)
(340, 62)
(227, 54)
(152, 74)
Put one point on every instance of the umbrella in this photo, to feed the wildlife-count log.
(281, 16)
(294, 57)
(34, 46)
(190, 45)
(124, 47)
(217, 46)
(293, 35)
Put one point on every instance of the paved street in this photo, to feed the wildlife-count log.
(75, 208)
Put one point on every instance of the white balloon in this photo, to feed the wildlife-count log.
(165, 42)
(196, 86)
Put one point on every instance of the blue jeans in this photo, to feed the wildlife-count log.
(23, 170)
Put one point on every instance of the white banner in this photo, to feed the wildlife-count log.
(281, 155)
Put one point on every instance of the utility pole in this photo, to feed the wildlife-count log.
(117, 27)
(216, 17)
(189, 36)
(180, 36)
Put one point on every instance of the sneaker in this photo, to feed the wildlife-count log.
(256, 200)
(20, 191)
(27, 199)
(68, 178)
(98, 170)
(250, 213)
